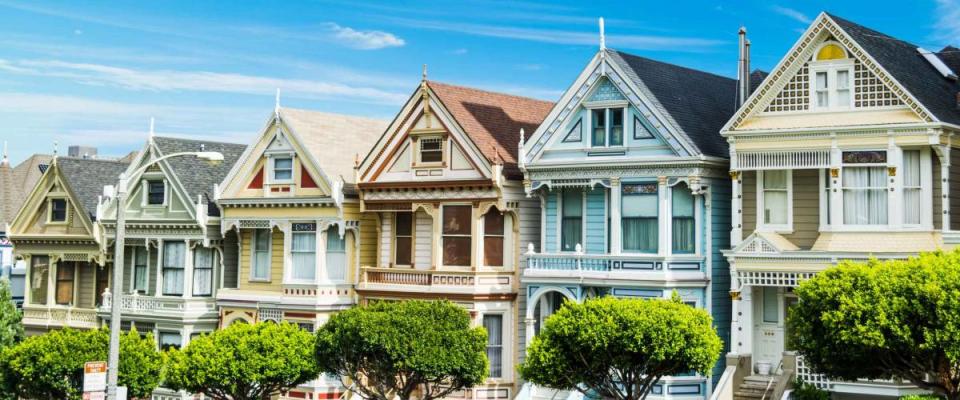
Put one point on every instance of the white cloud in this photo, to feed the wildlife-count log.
(792, 14)
(364, 40)
(947, 27)
(459, 52)
(198, 81)
(644, 42)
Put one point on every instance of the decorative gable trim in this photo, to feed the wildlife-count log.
(591, 83)
(171, 181)
(764, 243)
(50, 179)
(798, 56)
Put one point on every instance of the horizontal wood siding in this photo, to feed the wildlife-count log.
(386, 239)
(153, 264)
(550, 236)
(276, 262)
(806, 208)
(596, 219)
(86, 284)
(748, 186)
(720, 271)
(368, 239)
(231, 260)
(937, 192)
(423, 241)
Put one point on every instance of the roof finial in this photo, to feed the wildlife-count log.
(424, 72)
(522, 136)
(276, 106)
(150, 136)
(56, 146)
(5, 160)
(603, 37)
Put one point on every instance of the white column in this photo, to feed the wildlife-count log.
(745, 344)
(531, 323)
(185, 335)
(437, 236)
(736, 208)
(894, 184)
(836, 183)
(159, 285)
(188, 270)
(321, 256)
(477, 240)
(945, 188)
(616, 245)
(51, 278)
(663, 219)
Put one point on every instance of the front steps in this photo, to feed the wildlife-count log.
(756, 387)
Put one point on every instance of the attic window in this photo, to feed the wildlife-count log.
(832, 78)
(831, 51)
(155, 193)
(431, 150)
(58, 210)
(282, 169)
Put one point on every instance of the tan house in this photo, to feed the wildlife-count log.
(844, 152)
(452, 220)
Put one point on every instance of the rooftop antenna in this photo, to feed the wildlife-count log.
(603, 37)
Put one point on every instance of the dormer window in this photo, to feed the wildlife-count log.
(283, 169)
(607, 124)
(155, 193)
(832, 78)
(431, 150)
(58, 210)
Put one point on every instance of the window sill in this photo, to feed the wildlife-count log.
(431, 165)
(57, 223)
(780, 230)
(254, 280)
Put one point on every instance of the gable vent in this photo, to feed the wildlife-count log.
(938, 64)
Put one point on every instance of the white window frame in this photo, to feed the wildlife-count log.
(318, 253)
(824, 189)
(842, 187)
(583, 221)
(607, 107)
(443, 151)
(146, 192)
(830, 67)
(271, 168)
(253, 255)
(133, 269)
(663, 210)
(503, 339)
(471, 235)
(775, 228)
(66, 211)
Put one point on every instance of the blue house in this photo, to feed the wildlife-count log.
(632, 177)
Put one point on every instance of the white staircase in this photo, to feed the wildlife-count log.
(530, 391)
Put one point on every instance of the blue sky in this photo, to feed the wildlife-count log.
(93, 73)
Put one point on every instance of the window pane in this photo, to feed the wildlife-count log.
(639, 218)
(155, 192)
(170, 340)
(572, 203)
(494, 326)
(283, 163)
(616, 127)
(283, 169)
(599, 127)
(65, 283)
(456, 251)
(103, 282)
(139, 268)
(775, 179)
(493, 223)
(864, 195)
(335, 243)
(58, 212)
(683, 202)
(684, 240)
(771, 308)
(431, 150)
(456, 220)
(911, 187)
(911, 168)
(303, 249)
(203, 272)
(775, 198)
(173, 258)
(404, 223)
(261, 254)
(821, 80)
(39, 278)
(843, 79)
(493, 251)
(404, 250)
(572, 220)
(336, 254)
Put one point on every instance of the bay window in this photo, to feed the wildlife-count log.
(203, 271)
(864, 184)
(493, 238)
(911, 187)
(684, 225)
(456, 235)
(39, 278)
(403, 238)
(775, 199)
(831, 78)
(639, 218)
(303, 252)
(571, 223)
(260, 263)
(607, 124)
(170, 340)
(65, 280)
(336, 255)
(494, 326)
(174, 254)
(103, 283)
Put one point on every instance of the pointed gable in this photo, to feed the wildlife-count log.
(198, 177)
(492, 120)
(334, 140)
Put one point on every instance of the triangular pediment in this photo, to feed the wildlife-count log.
(765, 243)
(791, 89)
(278, 164)
(424, 143)
(34, 216)
(176, 204)
(571, 131)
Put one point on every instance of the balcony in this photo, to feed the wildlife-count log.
(59, 317)
(603, 267)
(436, 281)
(166, 308)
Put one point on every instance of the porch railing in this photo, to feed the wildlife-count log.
(569, 262)
(137, 303)
(806, 374)
(72, 317)
(415, 277)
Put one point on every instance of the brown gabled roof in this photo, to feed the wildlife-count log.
(493, 120)
(16, 184)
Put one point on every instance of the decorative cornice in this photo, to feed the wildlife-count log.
(624, 171)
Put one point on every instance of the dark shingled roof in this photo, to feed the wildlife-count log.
(197, 176)
(951, 56)
(698, 102)
(901, 59)
(88, 176)
(756, 78)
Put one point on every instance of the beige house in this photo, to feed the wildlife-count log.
(844, 152)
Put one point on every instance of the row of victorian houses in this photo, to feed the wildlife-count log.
(643, 179)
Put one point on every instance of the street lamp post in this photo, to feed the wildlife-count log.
(113, 360)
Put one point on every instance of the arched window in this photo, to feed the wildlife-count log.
(831, 51)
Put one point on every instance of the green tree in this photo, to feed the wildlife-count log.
(11, 333)
(50, 366)
(244, 362)
(619, 348)
(880, 320)
(391, 350)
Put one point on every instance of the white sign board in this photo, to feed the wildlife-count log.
(94, 377)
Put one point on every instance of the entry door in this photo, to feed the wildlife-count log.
(768, 327)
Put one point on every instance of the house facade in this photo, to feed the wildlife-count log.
(443, 188)
(844, 152)
(173, 255)
(291, 216)
(56, 235)
(15, 184)
(631, 177)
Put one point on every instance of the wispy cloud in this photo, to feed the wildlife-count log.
(642, 42)
(947, 26)
(459, 52)
(363, 40)
(792, 14)
(197, 81)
